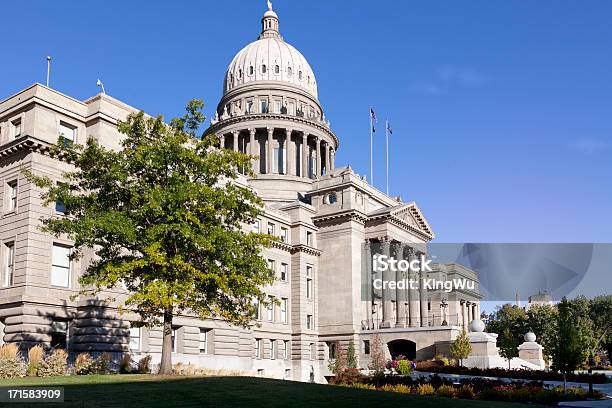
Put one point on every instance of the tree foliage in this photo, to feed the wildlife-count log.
(567, 350)
(165, 218)
(351, 357)
(377, 355)
(508, 346)
(461, 347)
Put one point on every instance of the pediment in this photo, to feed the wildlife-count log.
(407, 215)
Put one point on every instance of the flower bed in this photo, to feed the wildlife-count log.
(433, 366)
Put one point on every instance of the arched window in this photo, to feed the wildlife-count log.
(276, 69)
(251, 70)
(263, 69)
(300, 75)
(289, 71)
(239, 74)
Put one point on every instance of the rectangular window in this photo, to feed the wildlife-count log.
(271, 229)
(273, 351)
(249, 107)
(12, 195)
(286, 353)
(67, 131)
(203, 341)
(60, 266)
(309, 238)
(276, 160)
(257, 315)
(284, 272)
(366, 347)
(291, 108)
(9, 262)
(135, 338)
(283, 311)
(257, 226)
(284, 235)
(272, 265)
(60, 208)
(270, 308)
(263, 106)
(257, 348)
(331, 350)
(277, 106)
(174, 338)
(312, 351)
(16, 128)
(59, 334)
(308, 282)
(309, 322)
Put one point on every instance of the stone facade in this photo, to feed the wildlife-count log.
(324, 215)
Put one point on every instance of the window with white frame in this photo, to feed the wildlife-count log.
(313, 351)
(284, 272)
(60, 266)
(257, 226)
(308, 282)
(257, 316)
(309, 322)
(283, 310)
(271, 229)
(174, 339)
(273, 351)
(278, 106)
(135, 338)
(249, 107)
(286, 353)
(309, 238)
(59, 334)
(257, 348)
(67, 131)
(203, 341)
(263, 106)
(291, 108)
(11, 188)
(9, 263)
(284, 235)
(60, 208)
(272, 265)
(366, 347)
(270, 308)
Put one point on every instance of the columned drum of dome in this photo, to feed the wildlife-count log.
(270, 109)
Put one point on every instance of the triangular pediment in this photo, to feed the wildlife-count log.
(406, 215)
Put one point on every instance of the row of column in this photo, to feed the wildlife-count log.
(321, 155)
(469, 311)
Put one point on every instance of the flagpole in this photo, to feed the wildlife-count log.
(387, 140)
(371, 147)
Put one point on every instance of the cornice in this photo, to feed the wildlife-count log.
(26, 143)
(349, 215)
(292, 249)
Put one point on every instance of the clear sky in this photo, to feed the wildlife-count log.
(501, 111)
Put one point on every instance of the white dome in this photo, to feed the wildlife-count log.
(270, 58)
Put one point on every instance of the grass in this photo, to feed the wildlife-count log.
(132, 391)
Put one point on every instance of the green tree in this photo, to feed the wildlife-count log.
(508, 346)
(541, 320)
(600, 311)
(164, 217)
(567, 350)
(461, 347)
(509, 317)
(351, 358)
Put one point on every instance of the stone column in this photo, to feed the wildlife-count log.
(386, 303)
(469, 313)
(254, 150)
(318, 161)
(270, 151)
(236, 133)
(327, 160)
(304, 154)
(332, 159)
(401, 294)
(463, 315)
(423, 295)
(290, 149)
(414, 314)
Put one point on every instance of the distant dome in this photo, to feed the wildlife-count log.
(270, 58)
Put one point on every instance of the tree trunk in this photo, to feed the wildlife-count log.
(564, 383)
(166, 357)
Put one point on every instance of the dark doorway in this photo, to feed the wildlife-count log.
(402, 347)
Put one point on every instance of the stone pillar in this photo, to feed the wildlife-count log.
(401, 294)
(531, 351)
(236, 133)
(318, 161)
(423, 295)
(332, 159)
(254, 150)
(463, 315)
(304, 154)
(290, 150)
(327, 160)
(386, 303)
(270, 151)
(414, 313)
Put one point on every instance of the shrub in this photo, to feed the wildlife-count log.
(54, 365)
(82, 364)
(144, 365)
(494, 394)
(446, 391)
(11, 363)
(348, 376)
(126, 364)
(424, 389)
(404, 367)
(388, 388)
(35, 356)
(363, 386)
(466, 391)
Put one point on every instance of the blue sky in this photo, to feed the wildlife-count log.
(501, 111)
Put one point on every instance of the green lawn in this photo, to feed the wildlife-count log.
(129, 391)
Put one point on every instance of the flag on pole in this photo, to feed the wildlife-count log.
(373, 119)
